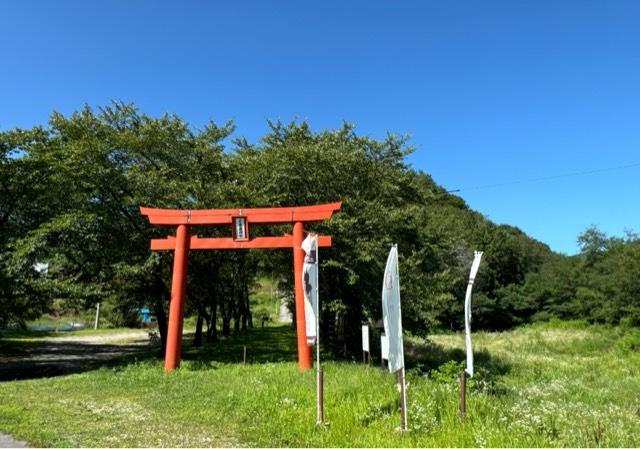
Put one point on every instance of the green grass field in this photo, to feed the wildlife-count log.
(563, 384)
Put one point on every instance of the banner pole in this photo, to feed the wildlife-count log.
(317, 308)
(404, 386)
(403, 401)
(319, 376)
(462, 403)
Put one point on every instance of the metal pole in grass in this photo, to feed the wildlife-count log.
(319, 376)
(244, 355)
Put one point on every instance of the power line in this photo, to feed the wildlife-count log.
(547, 178)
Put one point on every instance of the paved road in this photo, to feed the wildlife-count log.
(7, 441)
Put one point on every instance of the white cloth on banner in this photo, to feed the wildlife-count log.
(309, 286)
(477, 255)
(391, 313)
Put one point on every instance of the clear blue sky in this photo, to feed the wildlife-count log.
(490, 91)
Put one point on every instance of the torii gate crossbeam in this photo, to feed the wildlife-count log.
(239, 221)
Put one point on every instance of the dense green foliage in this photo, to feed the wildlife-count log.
(536, 386)
(601, 284)
(70, 192)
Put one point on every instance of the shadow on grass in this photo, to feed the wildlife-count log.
(377, 411)
(263, 345)
(26, 333)
(445, 365)
(38, 358)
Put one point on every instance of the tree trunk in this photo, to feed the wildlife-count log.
(226, 317)
(161, 317)
(236, 323)
(212, 331)
(197, 340)
(247, 320)
(237, 313)
(236, 302)
(245, 316)
(226, 326)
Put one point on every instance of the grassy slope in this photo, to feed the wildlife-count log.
(536, 386)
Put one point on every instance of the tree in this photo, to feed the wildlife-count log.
(71, 193)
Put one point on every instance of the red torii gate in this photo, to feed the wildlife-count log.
(239, 220)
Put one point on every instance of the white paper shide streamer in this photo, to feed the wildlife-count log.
(309, 282)
(477, 255)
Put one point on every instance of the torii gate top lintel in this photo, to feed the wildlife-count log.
(266, 215)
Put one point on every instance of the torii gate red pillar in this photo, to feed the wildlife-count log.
(305, 358)
(239, 220)
(176, 304)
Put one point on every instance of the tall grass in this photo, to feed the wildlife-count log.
(535, 386)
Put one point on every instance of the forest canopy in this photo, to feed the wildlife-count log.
(70, 193)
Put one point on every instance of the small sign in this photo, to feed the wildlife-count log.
(365, 338)
(240, 231)
(384, 346)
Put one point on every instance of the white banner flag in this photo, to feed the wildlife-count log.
(477, 255)
(365, 338)
(309, 283)
(391, 313)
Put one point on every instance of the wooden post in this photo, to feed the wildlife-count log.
(403, 399)
(463, 393)
(305, 361)
(176, 306)
(244, 355)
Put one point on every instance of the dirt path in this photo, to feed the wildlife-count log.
(121, 336)
(65, 354)
(284, 314)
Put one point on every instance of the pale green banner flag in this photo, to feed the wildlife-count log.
(391, 314)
